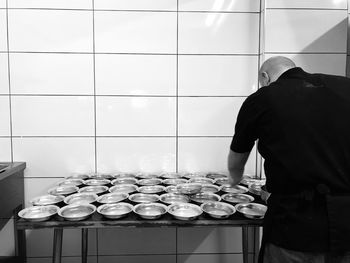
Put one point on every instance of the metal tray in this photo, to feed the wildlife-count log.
(114, 211)
(237, 189)
(76, 212)
(123, 188)
(189, 188)
(94, 182)
(143, 198)
(151, 189)
(124, 180)
(38, 213)
(237, 198)
(112, 198)
(63, 190)
(201, 180)
(205, 197)
(210, 188)
(218, 210)
(96, 189)
(171, 189)
(75, 182)
(149, 181)
(252, 210)
(47, 200)
(185, 211)
(80, 198)
(174, 181)
(216, 175)
(172, 198)
(150, 210)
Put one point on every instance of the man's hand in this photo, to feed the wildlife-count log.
(236, 163)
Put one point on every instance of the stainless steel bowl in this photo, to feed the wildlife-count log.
(237, 189)
(47, 200)
(151, 189)
(63, 190)
(222, 181)
(75, 182)
(194, 175)
(76, 212)
(171, 198)
(143, 198)
(171, 175)
(252, 210)
(185, 211)
(205, 197)
(124, 180)
(249, 180)
(218, 209)
(94, 182)
(38, 213)
(171, 189)
(123, 175)
(201, 180)
(210, 188)
(80, 198)
(78, 176)
(216, 175)
(100, 176)
(123, 188)
(237, 198)
(96, 189)
(150, 210)
(150, 181)
(147, 175)
(255, 188)
(116, 210)
(189, 188)
(174, 181)
(112, 198)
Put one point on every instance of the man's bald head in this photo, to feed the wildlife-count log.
(273, 68)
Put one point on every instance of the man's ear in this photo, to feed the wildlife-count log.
(266, 78)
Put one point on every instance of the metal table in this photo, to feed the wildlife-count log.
(97, 221)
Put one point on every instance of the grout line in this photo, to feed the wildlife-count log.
(306, 53)
(94, 78)
(117, 136)
(306, 9)
(9, 80)
(177, 90)
(125, 95)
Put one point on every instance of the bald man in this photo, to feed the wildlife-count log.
(302, 124)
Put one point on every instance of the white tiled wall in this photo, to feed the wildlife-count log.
(144, 85)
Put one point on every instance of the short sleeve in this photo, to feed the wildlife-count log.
(246, 128)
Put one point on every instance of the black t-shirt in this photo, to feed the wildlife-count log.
(302, 124)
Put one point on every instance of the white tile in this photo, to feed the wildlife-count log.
(319, 63)
(5, 149)
(53, 115)
(133, 32)
(209, 240)
(4, 82)
(50, 30)
(144, 241)
(217, 75)
(306, 31)
(208, 154)
(7, 238)
(136, 4)
(138, 259)
(52, 74)
(62, 4)
(54, 157)
(220, 5)
(2, 3)
(208, 116)
(136, 154)
(211, 258)
(71, 244)
(135, 116)
(327, 4)
(90, 259)
(3, 31)
(5, 116)
(218, 33)
(135, 74)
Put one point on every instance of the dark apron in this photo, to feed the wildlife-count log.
(338, 215)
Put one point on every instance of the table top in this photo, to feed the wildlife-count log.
(133, 220)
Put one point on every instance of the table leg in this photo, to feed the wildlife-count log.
(84, 244)
(256, 243)
(20, 238)
(245, 243)
(57, 245)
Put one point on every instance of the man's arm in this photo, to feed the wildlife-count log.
(236, 162)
